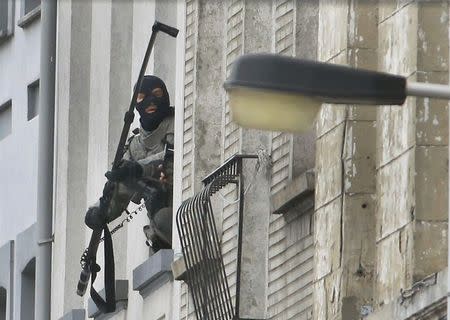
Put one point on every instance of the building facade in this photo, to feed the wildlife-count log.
(347, 221)
(19, 109)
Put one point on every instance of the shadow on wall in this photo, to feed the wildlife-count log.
(2, 303)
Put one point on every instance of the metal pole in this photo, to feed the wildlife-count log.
(429, 90)
(45, 159)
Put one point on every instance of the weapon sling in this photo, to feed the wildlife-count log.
(90, 266)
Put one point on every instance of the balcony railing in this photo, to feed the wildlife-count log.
(201, 248)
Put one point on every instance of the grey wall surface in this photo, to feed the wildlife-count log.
(72, 132)
(25, 248)
(7, 279)
(19, 65)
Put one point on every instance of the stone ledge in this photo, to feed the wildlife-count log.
(153, 273)
(74, 314)
(29, 17)
(297, 189)
(121, 301)
(179, 269)
(429, 299)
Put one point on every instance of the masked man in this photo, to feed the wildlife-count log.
(147, 168)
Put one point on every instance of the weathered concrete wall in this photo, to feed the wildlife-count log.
(345, 165)
(381, 193)
(412, 153)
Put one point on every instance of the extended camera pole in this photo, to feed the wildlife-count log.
(90, 266)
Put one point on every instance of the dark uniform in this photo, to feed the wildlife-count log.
(147, 169)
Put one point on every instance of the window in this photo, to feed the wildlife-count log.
(2, 303)
(6, 19)
(30, 11)
(5, 119)
(29, 5)
(33, 100)
(28, 286)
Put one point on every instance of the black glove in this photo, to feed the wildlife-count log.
(96, 215)
(127, 170)
(95, 218)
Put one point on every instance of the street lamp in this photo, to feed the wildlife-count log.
(284, 94)
(276, 92)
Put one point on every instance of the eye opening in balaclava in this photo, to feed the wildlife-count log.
(155, 105)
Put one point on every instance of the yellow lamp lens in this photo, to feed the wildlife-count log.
(272, 110)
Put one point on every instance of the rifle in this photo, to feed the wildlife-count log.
(90, 267)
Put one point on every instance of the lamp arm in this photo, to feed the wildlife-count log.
(431, 90)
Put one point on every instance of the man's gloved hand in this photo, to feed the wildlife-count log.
(95, 218)
(126, 170)
(96, 215)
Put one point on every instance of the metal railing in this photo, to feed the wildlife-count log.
(201, 248)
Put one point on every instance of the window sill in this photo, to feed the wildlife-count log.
(121, 301)
(298, 189)
(30, 17)
(74, 314)
(153, 273)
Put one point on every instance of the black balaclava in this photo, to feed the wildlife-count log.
(156, 104)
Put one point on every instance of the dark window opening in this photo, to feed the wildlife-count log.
(6, 19)
(29, 5)
(2, 303)
(27, 291)
(3, 16)
(33, 100)
(5, 119)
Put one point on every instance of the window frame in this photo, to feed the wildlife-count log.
(31, 86)
(28, 17)
(7, 104)
(9, 31)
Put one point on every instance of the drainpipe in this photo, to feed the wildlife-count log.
(45, 159)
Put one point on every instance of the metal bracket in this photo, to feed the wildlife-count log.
(45, 241)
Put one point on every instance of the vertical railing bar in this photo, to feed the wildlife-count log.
(186, 256)
(204, 242)
(240, 229)
(213, 268)
(198, 233)
(225, 286)
(198, 226)
(190, 264)
(197, 289)
(217, 274)
(212, 248)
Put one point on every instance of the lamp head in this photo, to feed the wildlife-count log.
(276, 92)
